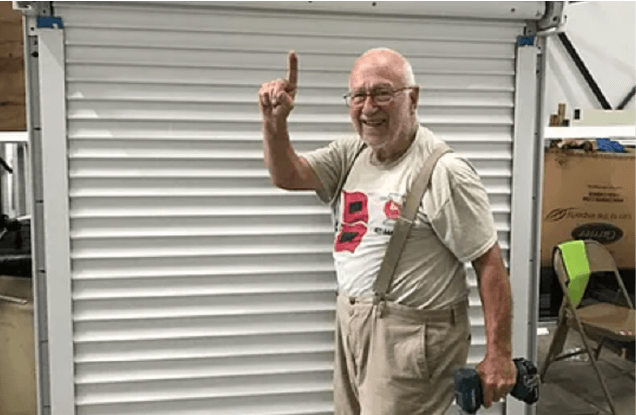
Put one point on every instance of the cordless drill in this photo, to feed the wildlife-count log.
(469, 394)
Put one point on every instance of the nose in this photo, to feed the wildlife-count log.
(369, 104)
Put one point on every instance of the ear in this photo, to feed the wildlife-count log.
(414, 95)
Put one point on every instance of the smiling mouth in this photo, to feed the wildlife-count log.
(373, 123)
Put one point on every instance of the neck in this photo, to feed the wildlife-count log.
(387, 153)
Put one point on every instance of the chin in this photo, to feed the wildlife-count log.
(375, 143)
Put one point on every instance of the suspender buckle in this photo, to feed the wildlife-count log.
(378, 298)
(379, 302)
(405, 220)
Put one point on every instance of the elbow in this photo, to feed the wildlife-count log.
(275, 179)
(286, 187)
(282, 182)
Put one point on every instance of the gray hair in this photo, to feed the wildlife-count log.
(409, 77)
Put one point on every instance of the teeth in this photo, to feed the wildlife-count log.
(373, 124)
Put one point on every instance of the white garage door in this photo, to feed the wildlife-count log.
(197, 287)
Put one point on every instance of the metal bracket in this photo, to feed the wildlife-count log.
(26, 7)
(531, 28)
(33, 8)
(554, 20)
(36, 15)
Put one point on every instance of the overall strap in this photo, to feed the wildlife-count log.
(405, 222)
(347, 169)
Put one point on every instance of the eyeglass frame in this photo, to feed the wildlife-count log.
(348, 96)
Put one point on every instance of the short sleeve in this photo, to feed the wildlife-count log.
(464, 220)
(330, 164)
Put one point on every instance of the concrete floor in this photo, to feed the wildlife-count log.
(571, 386)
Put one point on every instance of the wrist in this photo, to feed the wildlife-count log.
(499, 352)
(273, 126)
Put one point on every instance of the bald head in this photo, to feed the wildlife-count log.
(391, 63)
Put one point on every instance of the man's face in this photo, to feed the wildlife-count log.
(387, 125)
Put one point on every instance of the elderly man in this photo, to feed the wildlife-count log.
(398, 361)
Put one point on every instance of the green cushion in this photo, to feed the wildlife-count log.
(578, 269)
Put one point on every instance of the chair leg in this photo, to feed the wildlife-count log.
(597, 353)
(556, 346)
(598, 373)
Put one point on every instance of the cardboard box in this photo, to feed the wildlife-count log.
(18, 394)
(589, 196)
(12, 86)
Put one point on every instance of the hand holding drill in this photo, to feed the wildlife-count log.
(469, 394)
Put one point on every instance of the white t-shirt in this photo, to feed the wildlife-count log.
(454, 223)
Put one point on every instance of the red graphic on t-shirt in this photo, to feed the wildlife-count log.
(355, 219)
(355, 208)
(392, 210)
(350, 237)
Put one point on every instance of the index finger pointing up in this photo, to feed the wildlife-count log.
(292, 69)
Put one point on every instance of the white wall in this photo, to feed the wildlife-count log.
(603, 33)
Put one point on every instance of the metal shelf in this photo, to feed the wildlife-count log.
(14, 137)
(627, 133)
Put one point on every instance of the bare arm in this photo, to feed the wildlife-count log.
(497, 371)
(496, 298)
(287, 169)
(276, 100)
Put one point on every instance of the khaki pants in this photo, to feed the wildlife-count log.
(396, 360)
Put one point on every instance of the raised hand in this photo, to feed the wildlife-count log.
(276, 98)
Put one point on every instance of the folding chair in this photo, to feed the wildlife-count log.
(574, 262)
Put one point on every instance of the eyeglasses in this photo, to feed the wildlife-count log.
(381, 96)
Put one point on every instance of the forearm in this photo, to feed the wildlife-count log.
(496, 299)
(497, 371)
(280, 157)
